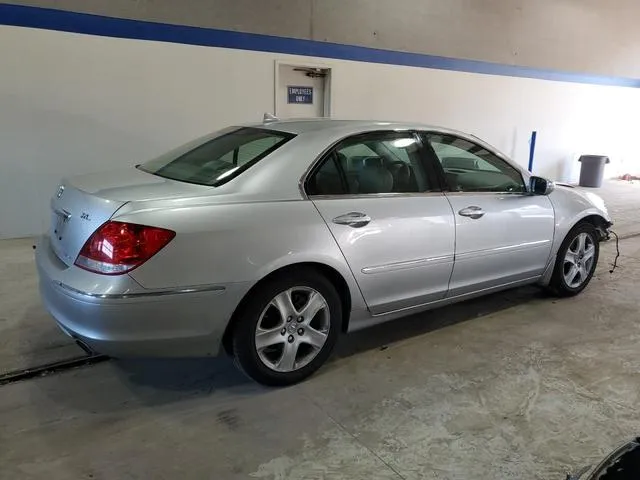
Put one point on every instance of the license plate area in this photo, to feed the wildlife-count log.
(61, 219)
(59, 222)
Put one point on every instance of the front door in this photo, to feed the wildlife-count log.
(394, 226)
(503, 234)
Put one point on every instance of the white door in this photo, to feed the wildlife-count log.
(393, 224)
(503, 234)
(299, 95)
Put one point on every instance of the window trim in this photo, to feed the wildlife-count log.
(330, 151)
(423, 134)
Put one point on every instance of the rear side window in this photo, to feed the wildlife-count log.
(372, 163)
(217, 160)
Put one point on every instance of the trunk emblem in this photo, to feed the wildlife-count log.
(60, 191)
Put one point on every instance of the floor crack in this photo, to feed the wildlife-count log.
(357, 440)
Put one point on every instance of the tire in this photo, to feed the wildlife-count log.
(559, 284)
(267, 319)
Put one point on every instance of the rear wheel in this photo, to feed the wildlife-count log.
(576, 261)
(288, 328)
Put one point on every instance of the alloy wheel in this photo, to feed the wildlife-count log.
(578, 261)
(292, 329)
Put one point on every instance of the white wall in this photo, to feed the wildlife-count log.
(72, 104)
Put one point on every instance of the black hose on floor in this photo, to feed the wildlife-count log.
(615, 260)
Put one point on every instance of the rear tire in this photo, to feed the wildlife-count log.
(576, 261)
(288, 328)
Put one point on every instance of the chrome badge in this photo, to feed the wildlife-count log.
(60, 191)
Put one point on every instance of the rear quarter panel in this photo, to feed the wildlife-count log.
(232, 243)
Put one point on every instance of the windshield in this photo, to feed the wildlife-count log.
(214, 161)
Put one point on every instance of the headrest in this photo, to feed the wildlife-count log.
(373, 162)
(375, 180)
(401, 172)
(357, 162)
(328, 183)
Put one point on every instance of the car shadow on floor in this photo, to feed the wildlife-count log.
(380, 336)
(126, 385)
(198, 375)
(204, 376)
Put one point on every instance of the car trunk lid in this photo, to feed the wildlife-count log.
(81, 204)
(75, 215)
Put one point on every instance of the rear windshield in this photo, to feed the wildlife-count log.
(214, 161)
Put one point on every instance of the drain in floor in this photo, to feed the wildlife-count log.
(50, 368)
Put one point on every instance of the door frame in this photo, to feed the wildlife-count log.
(327, 105)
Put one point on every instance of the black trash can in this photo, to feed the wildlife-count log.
(592, 170)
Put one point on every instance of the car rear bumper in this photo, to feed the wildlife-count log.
(126, 320)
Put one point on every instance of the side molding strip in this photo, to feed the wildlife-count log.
(151, 293)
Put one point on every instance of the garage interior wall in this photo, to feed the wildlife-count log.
(73, 103)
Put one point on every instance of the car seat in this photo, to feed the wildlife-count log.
(374, 177)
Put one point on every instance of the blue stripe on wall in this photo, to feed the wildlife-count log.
(49, 19)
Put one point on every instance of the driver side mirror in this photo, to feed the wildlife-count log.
(540, 186)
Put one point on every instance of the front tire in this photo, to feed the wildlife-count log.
(288, 328)
(576, 261)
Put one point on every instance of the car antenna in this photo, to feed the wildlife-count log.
(268, 118)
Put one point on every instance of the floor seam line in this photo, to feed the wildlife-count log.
(343, 428)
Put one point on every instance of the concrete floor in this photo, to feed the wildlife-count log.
(27, 335)
(623, 200)
(515, 385)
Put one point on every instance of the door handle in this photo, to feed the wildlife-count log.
(353, 219)
(472, 212)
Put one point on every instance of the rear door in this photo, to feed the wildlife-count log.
(503, 234)
(385, 209)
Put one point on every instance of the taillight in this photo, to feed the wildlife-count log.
(118, 247)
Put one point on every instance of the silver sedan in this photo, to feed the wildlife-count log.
(268, 241)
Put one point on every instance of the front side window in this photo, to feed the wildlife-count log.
(214, 161)
(371, 164)
(469, 167)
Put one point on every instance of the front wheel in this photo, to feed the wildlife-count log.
(288, 328)
(576, 261)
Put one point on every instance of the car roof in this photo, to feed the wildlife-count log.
(330, 129)
(307, 125)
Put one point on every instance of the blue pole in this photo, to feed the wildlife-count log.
(532, 149)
